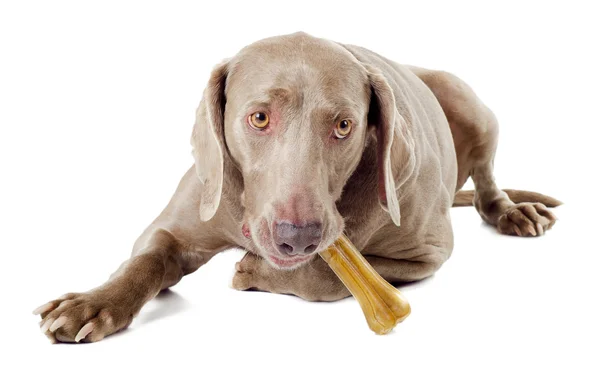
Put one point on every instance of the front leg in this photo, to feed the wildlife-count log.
(92, 315)
(315, 281)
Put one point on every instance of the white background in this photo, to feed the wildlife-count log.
(97, 103)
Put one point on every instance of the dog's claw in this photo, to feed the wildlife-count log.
(44, 308)
(46, 325)
(58, 323)
(540, 229)
(518, 231)
(531, 230)
(83, 332)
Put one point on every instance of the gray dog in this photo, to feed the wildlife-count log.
(298, 139)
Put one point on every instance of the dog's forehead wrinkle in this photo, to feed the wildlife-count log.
(300, 62)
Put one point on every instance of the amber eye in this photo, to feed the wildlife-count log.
(258, 120)
(342, 129)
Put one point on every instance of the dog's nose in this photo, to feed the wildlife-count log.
(297, 240)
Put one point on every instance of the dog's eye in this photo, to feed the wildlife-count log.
(258, 120)
(342, 129)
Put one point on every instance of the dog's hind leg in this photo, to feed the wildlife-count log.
(475, 132)
(528, 217)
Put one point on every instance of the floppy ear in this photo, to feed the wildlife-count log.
(208, 141)
(395, 146)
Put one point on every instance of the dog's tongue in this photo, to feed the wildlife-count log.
(246, 230)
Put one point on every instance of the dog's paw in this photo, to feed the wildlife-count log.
(526, 219)
(247, 272)
(84, 317)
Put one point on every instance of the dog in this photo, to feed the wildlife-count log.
(298, 139)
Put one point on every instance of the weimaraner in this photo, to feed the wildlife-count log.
(298, 139)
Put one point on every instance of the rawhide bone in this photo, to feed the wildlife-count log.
(382, 304)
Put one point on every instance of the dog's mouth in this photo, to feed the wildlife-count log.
(289, 262)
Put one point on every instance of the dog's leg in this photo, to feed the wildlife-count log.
(92, 315)
(475, 133)
(315, 281)
(494, 205)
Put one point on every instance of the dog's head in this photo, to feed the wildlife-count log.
(294, 114)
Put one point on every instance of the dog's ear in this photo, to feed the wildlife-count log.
(395, 146)
(208, 141)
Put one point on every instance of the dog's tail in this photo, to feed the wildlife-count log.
(465, 198)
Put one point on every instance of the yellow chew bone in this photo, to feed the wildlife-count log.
(383, 305)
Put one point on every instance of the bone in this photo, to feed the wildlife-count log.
(383, 305)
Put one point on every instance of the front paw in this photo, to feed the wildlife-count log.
(85, 317)
(248, 273)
